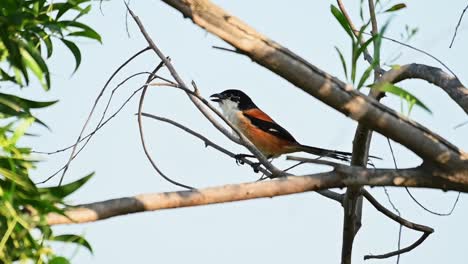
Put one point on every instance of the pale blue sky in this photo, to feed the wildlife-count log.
(301, 228)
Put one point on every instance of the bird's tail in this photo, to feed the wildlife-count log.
(334, 154)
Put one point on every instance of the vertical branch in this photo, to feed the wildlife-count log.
(352, 202)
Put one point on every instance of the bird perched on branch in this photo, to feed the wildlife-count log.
(269, 137)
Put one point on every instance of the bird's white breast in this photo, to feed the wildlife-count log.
(231, 111)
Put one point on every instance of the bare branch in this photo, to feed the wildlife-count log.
(425, 229)
(401, 251)
(395, 217)
(339, 178)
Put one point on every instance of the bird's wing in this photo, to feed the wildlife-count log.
(262, 121)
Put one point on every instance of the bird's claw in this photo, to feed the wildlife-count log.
(256, 167)
(239, 159)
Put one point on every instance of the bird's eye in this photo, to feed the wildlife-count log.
(235, 98)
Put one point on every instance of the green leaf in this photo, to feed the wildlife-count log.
(74, 50)
(365, 45)
(342, 20)
(354, 60)
(39, 60)
(365, 76)
(21, 180)
(48, 42)
(86, 34)
(65, 190)
(34, 67)
(87, 31)
(395, 8)
(73, 239)
(59, 260)
(83, 11)
(411, 99)
(26, 103)
(343, 62)
(14, 57)
(20, 130)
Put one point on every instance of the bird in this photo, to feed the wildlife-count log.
(268, 136)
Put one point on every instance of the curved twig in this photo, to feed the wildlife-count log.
(87, 136)
(425, 229)
(401, 251)
(458, 25)
(395, 217)
(88, 119)
(418, 50)
(142, 138)
(101, 123)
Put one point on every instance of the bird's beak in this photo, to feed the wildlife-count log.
(216, 98)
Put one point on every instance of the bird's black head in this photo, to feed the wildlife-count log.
(233, 96)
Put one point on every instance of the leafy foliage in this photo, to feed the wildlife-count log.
(28, 33)
(28, 29)
(358, 48)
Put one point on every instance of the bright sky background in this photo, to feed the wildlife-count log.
(301, 228)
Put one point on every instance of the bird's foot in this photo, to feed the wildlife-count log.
(239, 158)
(255, 166)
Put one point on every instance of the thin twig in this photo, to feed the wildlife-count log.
(393, 216)
(390, 200)
(416, 200)
(422, 228)
(101, 122)
(103, 115)
(401, 251)
(460, 125)
(418, 50)
(431, 211)
(142, 138)
(400, 228)
(90, 134)
(458, 24)
(88, 119)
